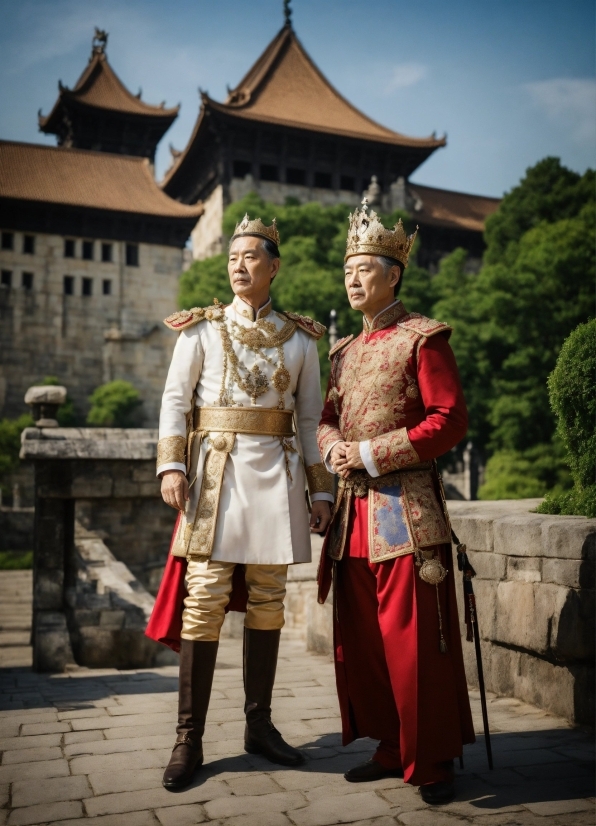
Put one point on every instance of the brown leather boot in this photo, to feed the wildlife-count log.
(260, 735)
(197, 664)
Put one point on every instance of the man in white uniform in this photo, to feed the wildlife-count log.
(237, 447)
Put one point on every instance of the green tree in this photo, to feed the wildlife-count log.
(10, 445)
(571, 391)
(115, 404)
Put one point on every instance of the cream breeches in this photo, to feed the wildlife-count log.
(209, 585)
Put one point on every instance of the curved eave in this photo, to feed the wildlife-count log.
(179, 162)
(394, 138)
(49, 123)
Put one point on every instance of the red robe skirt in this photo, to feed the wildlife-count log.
(165, 623)
(393, 682)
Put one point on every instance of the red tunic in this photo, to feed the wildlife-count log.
(394, 685)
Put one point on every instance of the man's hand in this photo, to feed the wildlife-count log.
(338, 451)
(350, 460)
(174, 489)
(320, 516)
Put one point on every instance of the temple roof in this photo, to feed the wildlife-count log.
(100, 87)
(456, 210)
(286, 88)
(82, 178)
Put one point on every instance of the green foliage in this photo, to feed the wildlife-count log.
(548, 193)
(512, 474)
(10, 445)
(572, 398)
(115, 404)
(10, 441)
(16, 560)
(66, 416)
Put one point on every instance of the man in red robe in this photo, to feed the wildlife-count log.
(394, 404)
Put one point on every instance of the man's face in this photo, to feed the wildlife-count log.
(250, 268)
(367, 284)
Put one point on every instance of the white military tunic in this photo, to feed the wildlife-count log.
(262, 516)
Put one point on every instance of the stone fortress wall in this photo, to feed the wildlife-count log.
(85, 321)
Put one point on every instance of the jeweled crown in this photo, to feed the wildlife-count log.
(368, 236)
(257, 227)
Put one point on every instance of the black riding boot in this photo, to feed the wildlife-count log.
(197, 664)
(260, 735)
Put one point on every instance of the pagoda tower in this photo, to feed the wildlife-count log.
(100, 113)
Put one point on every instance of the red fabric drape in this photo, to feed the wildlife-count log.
(165, 623)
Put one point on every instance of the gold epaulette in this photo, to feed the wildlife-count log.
(183, 319)
(340, 344)
(309, 325)
(423, 326)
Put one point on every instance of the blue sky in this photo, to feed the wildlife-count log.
(510, 81)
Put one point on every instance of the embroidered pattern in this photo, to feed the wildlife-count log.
(171, 449)
(309, 325)
(426, 516)
(319, 479)
(326, 436)
(201, 533)
(392, 451)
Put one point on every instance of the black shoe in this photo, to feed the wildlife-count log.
(263, 738)
(437, 794)
(369, 771)
(186, 758)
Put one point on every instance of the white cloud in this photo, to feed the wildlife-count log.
(406, 74)
(570, 101)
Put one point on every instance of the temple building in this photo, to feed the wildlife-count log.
(284, 131)
(91, 248)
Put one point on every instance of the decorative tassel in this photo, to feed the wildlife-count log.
(442, 642)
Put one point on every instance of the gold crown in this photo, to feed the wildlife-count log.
(257, 227)
(368, 236)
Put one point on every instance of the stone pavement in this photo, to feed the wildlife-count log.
(89, 746)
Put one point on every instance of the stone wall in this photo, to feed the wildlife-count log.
(535, 598)
(86, 340)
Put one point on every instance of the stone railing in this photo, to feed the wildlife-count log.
(106, 479)
(535, 596)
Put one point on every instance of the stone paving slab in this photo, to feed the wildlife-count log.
(89, 746)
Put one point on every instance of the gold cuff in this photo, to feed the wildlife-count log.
(171, 449)
(319, 479)
(392, 451)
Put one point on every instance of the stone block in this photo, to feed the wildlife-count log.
(519, 535)
(569, 537)
(45, 813)
(572, 633)
(524, 569)
(112, 620)
(52, 649)
(564, 572)
(50, 790)
(488, 565)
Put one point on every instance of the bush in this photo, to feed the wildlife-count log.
(115, 404)
(10, 445)
(572, 398)
(16, 560)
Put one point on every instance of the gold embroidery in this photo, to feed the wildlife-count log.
(202, 532)
(326, 435)
(254, 382)
(309, 325)
(392, 451)
(426, 516)
(319, 479)
(385, 318)
(171, 449)
(266, 421)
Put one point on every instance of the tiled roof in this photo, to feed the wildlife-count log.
(80, 178)
(457, 210)
(100, 87)
(285, 86)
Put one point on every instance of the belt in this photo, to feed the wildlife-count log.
(359, 481)
(262, 421)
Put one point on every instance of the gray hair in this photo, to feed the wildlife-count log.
(388, 263)
(270, 248)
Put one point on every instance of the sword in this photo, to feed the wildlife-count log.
(471, 618)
